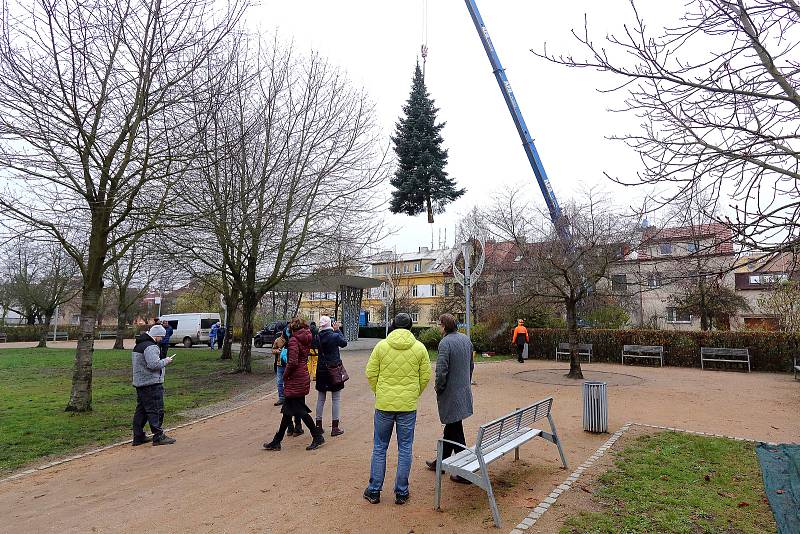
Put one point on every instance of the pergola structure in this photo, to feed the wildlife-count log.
(351, 290)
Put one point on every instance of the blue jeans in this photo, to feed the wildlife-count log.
(384, 423)
(279, 380)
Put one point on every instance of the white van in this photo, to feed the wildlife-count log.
(190, 328)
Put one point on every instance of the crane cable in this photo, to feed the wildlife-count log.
(424, 36)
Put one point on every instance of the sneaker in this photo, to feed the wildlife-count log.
(401, 499)
(163, 439)
(374, 497)
(278, 402)
(272, 446)
(141, 441)
(432, 465)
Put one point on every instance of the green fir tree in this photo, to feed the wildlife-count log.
(420, 181)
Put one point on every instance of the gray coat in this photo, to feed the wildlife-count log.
(453, 378)
(148, 367)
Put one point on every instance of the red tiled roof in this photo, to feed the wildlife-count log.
(723, 237)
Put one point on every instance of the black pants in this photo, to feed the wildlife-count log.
(149, 409)
(520, 348)
(453, 432)
(220, 341)
(286, 422)
(164, 349)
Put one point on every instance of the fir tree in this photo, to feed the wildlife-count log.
(420, 181)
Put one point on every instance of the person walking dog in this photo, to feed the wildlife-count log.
(296, 385)
(454, 368)
(398, 372)
(328, 376)
(148, 379)
(520, 339)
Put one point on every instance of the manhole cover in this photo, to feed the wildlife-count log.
(559, 377)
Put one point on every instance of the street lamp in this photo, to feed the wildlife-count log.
(473, 250)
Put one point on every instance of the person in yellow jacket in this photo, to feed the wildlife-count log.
(398, 372)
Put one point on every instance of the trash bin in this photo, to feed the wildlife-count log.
(595, 407)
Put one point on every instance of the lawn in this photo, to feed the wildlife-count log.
(679, 483)
(35, 387)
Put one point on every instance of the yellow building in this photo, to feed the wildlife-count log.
(414, 280)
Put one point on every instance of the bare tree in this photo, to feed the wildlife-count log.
(291, 147)
(43, 277)
(783, 301)
(564, 273)
(92, 126)
(717, 96)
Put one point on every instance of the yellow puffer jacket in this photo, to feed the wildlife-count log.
(398, 372)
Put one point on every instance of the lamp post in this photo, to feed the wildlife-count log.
(387, 290)
(473, 250)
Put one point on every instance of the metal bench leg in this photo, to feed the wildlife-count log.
(498, 522)
(516, 454)
(439, 452)
(558, 441)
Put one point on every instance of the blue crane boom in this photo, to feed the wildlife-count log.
(527, 141)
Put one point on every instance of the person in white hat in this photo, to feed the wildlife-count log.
(148, 379)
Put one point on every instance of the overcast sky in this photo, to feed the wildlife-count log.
(378, 43)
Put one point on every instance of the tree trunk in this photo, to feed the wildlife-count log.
(227, 343)
(43, 336)
(572, 337)
(430, 208)
(80, 399)
(249, 303)
(119, 339)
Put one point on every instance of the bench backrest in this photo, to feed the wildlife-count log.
(643, 349)
(721, 351)
(582, 347)
(497, 430)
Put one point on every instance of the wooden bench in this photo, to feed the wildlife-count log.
(720, 354)
(56, 336)
(494, 440)
(584, 350)
(106, 333)
(654, 352)
(3, 337)
(796, 366)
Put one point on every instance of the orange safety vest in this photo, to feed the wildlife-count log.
(518, 331)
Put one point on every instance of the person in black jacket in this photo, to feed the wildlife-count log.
(330, 341)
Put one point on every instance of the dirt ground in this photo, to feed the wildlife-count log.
(217, 478)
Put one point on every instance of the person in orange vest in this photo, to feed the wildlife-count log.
(520, 338)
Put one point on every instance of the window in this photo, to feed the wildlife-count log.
(691, 248)
(415, 291)
(654, 279)
(447, 290)
(405, 268)
(675, 315)
(619, 283)
(433, 290)
(415, 317)
(665, 249)
(417, 267)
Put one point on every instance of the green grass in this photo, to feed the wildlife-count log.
(679, 483)
(35, 387)
(432, 354)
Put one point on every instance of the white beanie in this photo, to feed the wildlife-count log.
(325, 323)
(156, 330)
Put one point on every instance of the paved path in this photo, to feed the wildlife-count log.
(217, 479)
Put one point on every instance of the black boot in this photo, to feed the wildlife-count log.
(316, 442)
(274, 445)
(319, 426)
(335, 430)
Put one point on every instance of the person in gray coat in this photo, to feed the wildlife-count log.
(148, 379)
(454, 368)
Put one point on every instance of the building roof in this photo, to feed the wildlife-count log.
(723, 237)
(779, 262)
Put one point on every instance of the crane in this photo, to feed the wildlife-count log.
(561, 225)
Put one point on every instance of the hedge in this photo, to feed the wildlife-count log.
(769, 351)
(378, 332)
(34, 332)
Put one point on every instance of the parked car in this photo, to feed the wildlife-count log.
(268, 334)
(190, 328)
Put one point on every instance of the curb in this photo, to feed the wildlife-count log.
(93, 452)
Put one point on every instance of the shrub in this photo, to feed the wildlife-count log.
(769, 351)
(33, 332)
(610, 316)
(430, 337)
